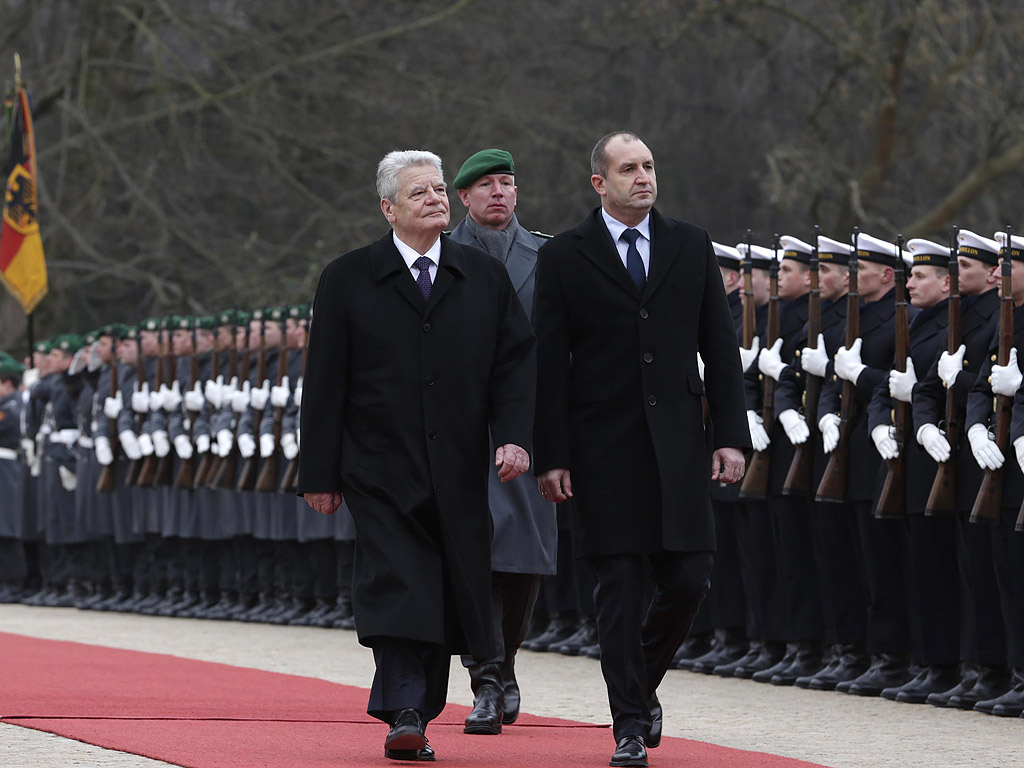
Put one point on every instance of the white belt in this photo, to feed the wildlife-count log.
(8, 454)
(65, 436)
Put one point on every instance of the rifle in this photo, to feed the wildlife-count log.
(132, 478)
(108, 475)
(147, 475)
(942, 499)
(290, 480)
(187, 468)
(164, 467)
(990, 496)
(228, 467)
(755, 481)
(892, 502)
(798, 479)
(267, 480)
(833, 482)
(247, 478)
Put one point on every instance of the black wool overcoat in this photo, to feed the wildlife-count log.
(619, 394)
(398, 397)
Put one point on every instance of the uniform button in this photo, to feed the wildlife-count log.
(652, 400)
(798, 374)
(797, 353)
(643, 313)
(430, 381)
(993, 358)
(433, 435)
(648, 357)
(437, 489)
(426, 327)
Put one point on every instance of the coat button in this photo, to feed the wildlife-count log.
(643, 313)
(426, 327)
(652, 400)
(433, 435)
(648, 357)
(430, 381)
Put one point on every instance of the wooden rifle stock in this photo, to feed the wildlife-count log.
(267, 480)
(990, 496)
(798, 478)
(165, 466)
(147, 475)
(247, 477)
(942, 498)
(833, 483)
(892, 502)
(206, 461)
(755, 481)
(108, 475)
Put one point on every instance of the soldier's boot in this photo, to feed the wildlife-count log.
(584, 636)
(282, 603)
(172, 596)
(344, 618)
(297, 608)
(693, 648)
(189, 600)
(204, 604)
(1009, 704)
(849, 661)
(222, 610)
(931, 679)
(806, 662)
(888, 670)
(982, 684)
(319, 609)
(264, 603)
(559, 628)
(488, 700)
(245, 603)
(510, 710)
(730, 645)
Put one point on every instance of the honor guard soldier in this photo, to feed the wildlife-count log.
(13, 569)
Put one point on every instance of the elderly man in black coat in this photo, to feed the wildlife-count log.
(419, 353)
(624, 302)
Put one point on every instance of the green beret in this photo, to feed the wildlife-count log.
(276, 313)
(9, 366)
(206, 322)
(128, 332)
(150, 324)
(482, 163)
(296, 311)
(259, 315)
(69, 343)
(91, 336)
(43, 347)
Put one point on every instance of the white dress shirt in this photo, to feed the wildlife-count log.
(643, 243)
(410, 255)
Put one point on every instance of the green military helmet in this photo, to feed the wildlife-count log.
(10, 367)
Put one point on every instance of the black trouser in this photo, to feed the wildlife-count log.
(844, 604)
(982, 629)
(756, 547)
(345, 553)
(935, 594)
(513, 596)
(324, 568)
(799, 598)
(883, 542)
(409, 673)
(726, 603)
(1008, 560)
(637, 649)
(13, 568)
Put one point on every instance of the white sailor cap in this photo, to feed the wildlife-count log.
(728, 257)
(928, 254)
(795, 249)
(833, 251)
(880, 251)
(760, 257)
(974, 246)
(1016, 245)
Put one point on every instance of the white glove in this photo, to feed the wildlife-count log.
(171, 397)
(194, 399)
(1006, 378)
(951, 365)
(29, 378)
(130, 445)
(1018, 446)
(758, 436)
(140, 398)
(934, 441)
(103, 453)
(848, 364)
(795, 425)
(828, 425)
(112, 406)
(769, 361)
(901, 385)
(224, 442)
(161, 446)
(68, 479)
(298, 384)
(145, 445)
(266, 446)
(289, 446)
(156, 398)
(885, 443)
(748, 356)
(240, 400)
(258, 397)
(183, 447)
(700, 367)
(214, 392)
(202, 444)
(814, 360)
(280, 395)
(94, 361)
(78, 362)
(29, 447)
(984, 448)
(246, 445)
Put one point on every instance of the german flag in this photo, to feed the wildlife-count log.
(22, 264)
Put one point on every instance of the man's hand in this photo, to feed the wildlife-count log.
(324, 503)
(511, 461)
(727, 465)
(555, 485)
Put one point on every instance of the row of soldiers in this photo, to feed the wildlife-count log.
(157, 474)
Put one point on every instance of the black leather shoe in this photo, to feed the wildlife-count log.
(753, 650)
(510, 710)
(766, 675)
(654, 733)
(630, 751)
(319, 609)
(591, 651)
(584, 636)
(488, 700)
(849, 663)
(407, 732)
(425, 755)
(806, 662)
(990, 683)
(929, 680)
(692, 649)
(558, 629)
(887, 671)
(1010, 704)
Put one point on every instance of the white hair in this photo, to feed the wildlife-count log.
(393, 163)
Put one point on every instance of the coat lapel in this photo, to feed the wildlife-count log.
(387, 263)
(522, 260)
(666, 242)
(596, 244)
(450, 269)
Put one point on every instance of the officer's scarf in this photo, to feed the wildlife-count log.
(496, 243)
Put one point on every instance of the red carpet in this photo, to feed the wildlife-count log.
(205, 715)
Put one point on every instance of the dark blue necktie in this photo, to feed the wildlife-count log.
(634, 264)
(423, 279)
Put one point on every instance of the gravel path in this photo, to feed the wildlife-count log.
(831, 729)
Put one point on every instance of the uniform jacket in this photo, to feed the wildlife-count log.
(619, 395)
